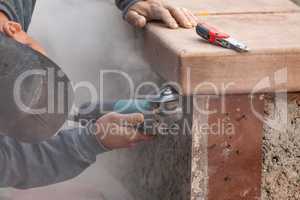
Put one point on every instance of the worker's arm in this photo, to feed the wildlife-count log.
(139, 12)
(66, 155)
(61, 158)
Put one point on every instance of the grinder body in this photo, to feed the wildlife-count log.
(161, 112)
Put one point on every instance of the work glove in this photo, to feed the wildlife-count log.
(148, 10)
(116, 131)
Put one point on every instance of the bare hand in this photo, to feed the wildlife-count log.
(116, 131)
(144, 11)
(14, 30)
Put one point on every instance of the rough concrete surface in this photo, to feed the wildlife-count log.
(281, 149)
(160, 170)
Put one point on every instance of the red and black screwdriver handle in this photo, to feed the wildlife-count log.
(209, 33)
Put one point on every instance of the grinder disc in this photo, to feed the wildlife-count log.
(35, 95)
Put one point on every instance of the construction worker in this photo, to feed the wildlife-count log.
(66, 155)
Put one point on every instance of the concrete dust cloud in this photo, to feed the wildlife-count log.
(84, 37)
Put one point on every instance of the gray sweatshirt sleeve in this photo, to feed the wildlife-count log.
(61, 158)
(124, 5)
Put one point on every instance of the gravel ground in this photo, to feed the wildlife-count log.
(281, 147)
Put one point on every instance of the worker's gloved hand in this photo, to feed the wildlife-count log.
(144, 11)
(116, 131)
